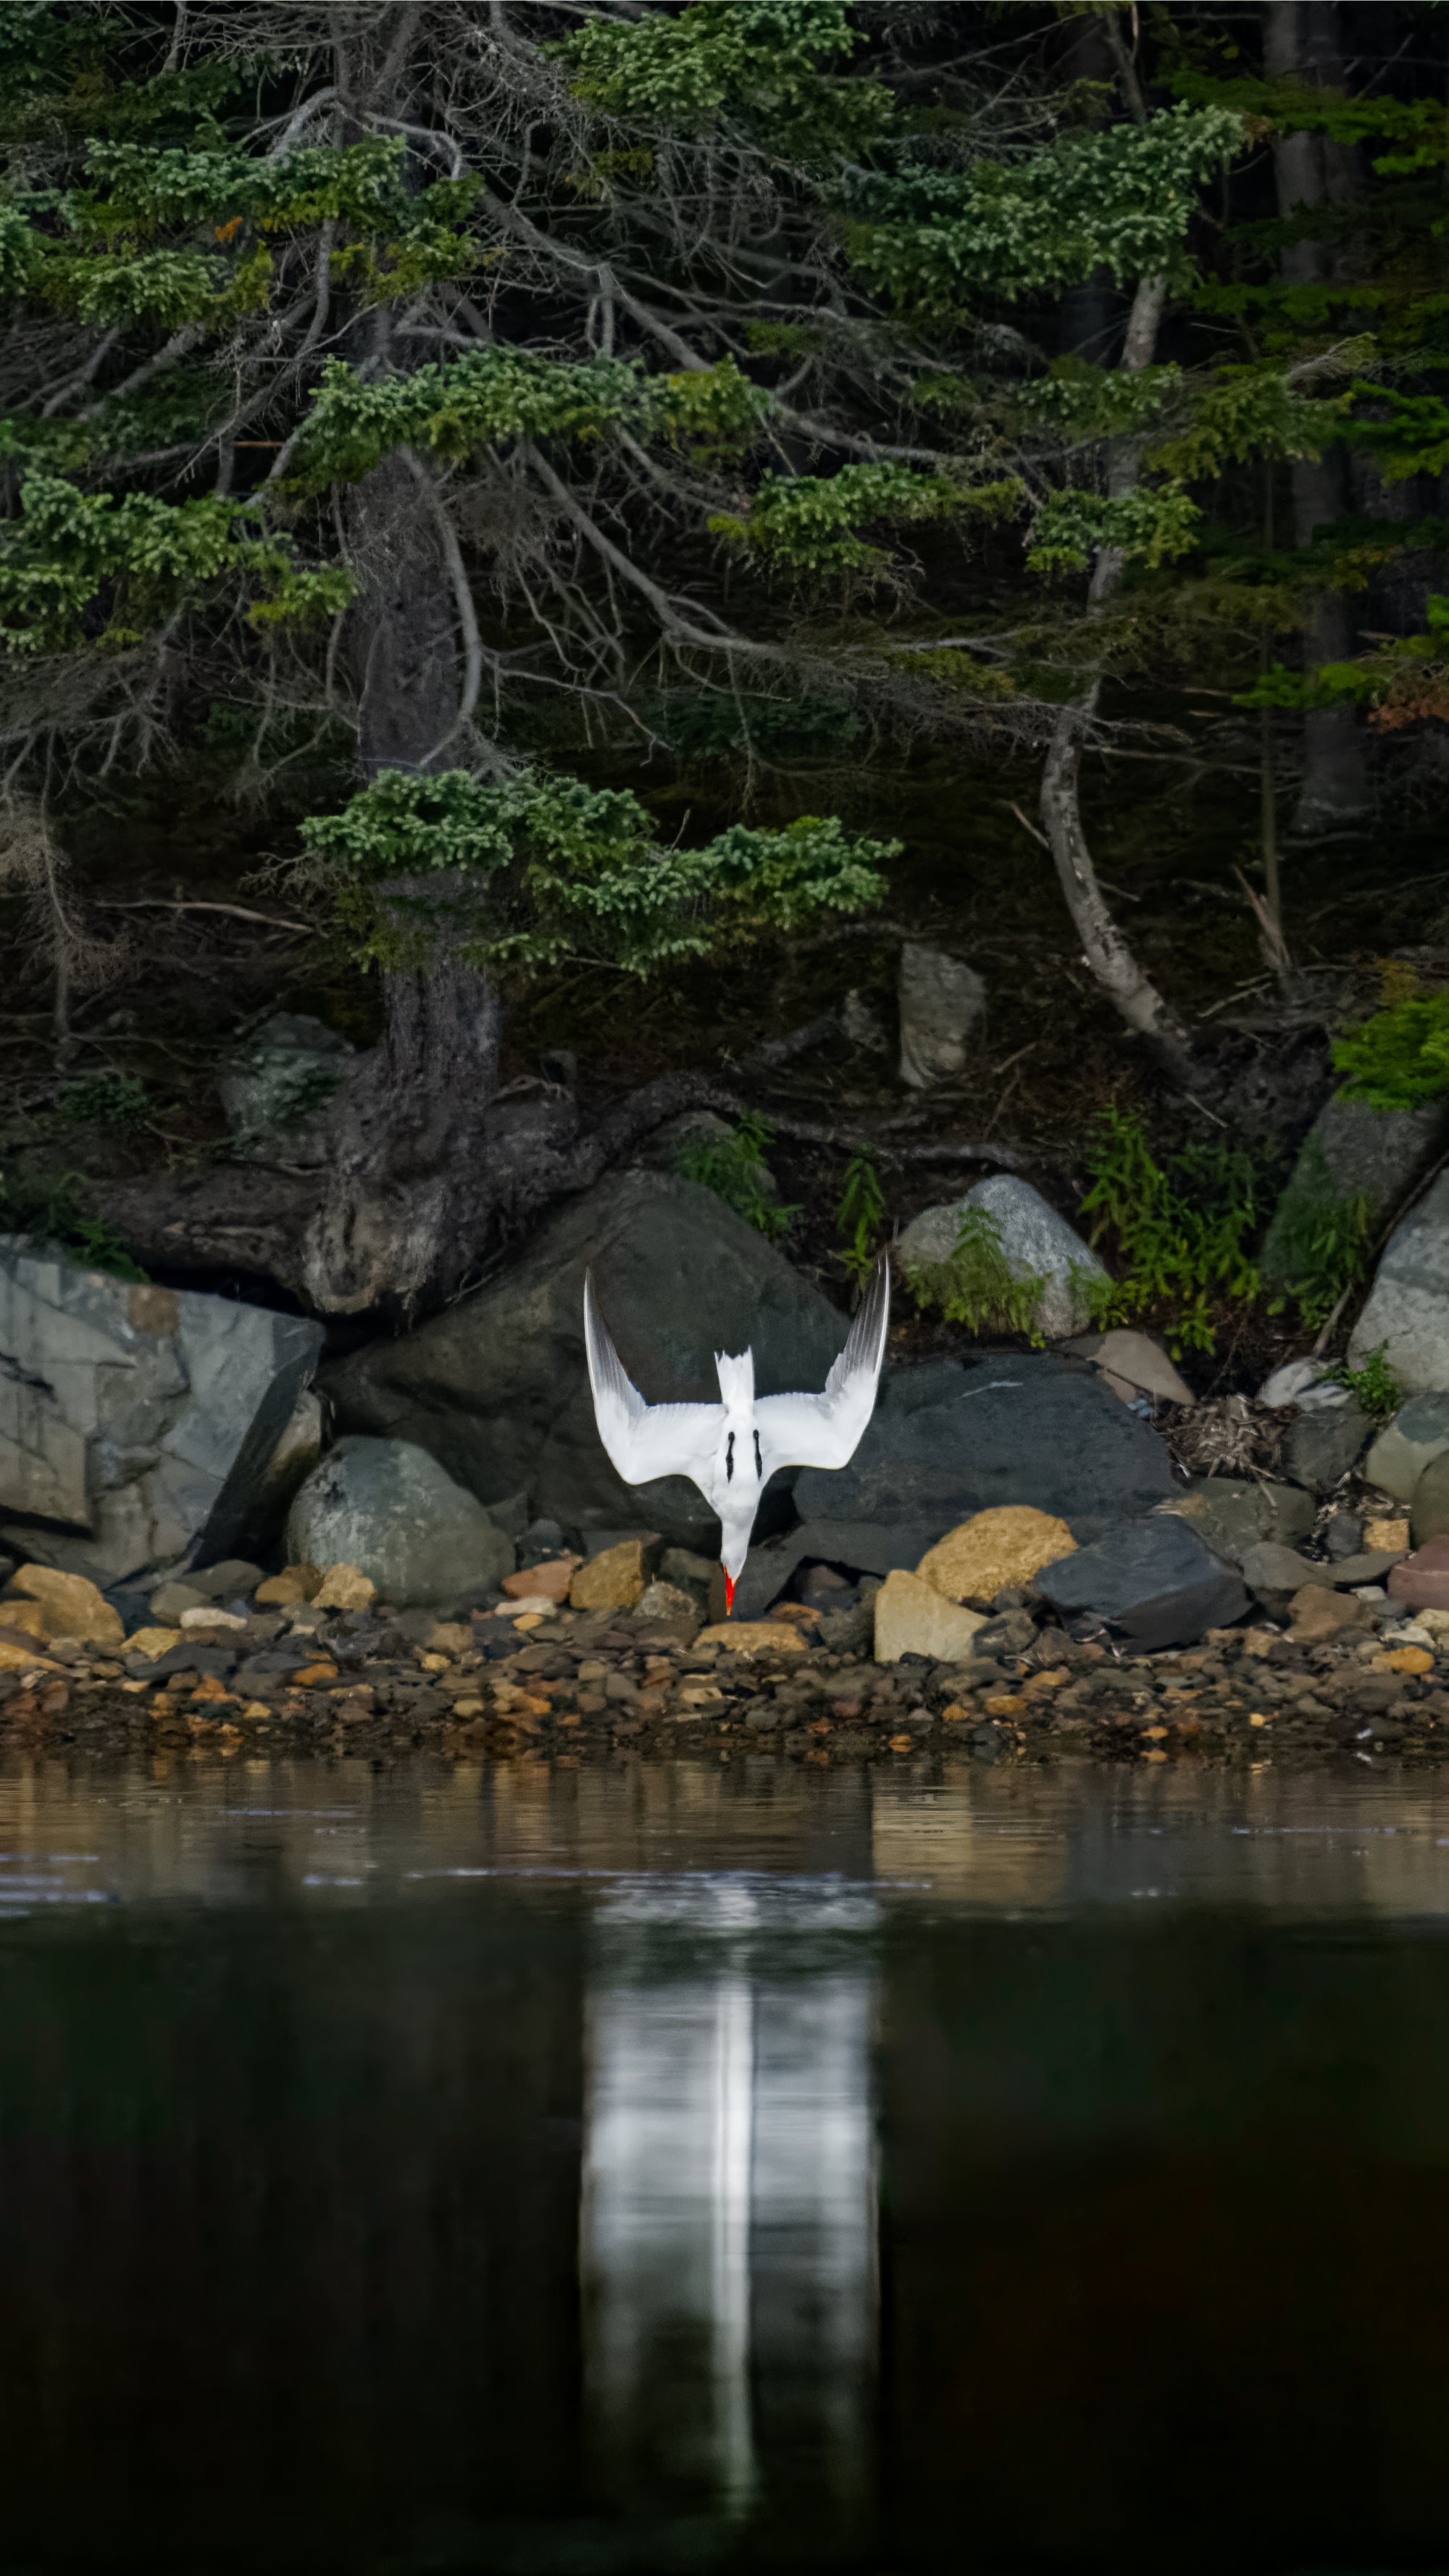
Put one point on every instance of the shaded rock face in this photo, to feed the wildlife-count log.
(1036, 1243)
(1418, 1434)
(1154, 1579)
(497, 1387)
(389, 1511)
(1232, 1514)
(942, 1001)
(1350, 1151)
(137, 1422)
(276, 1088)
(1322, 1445)
(1408, 1304)
(948, 1440)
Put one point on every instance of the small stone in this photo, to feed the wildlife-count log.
(913, 1618)
(24, 1658)
(615, 1578)
(73, 1606)
(1135, 1358)
(152, 1642)
(435, 1663)
(753, 1637)
(233, 1579)
(664, 1605)
(345, 1587)
(206, 1617)
(1392, 1535)
(294, 1583)
(170, 1599)
(311, 1674)
(1404, 1659)
(1317, 1614)
(449, 1637)
(994, 1550)
(942, 1001)
(1276, 1573)
(256, 1708)
(548, 1582)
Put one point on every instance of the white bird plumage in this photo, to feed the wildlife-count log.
(731, 1449)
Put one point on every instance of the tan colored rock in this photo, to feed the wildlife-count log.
(152, 1642)
(208, 1617)
(1317, 1614)
(73, 1607)
(26, 1615)
(753, 1637)
(1387, 1534)
(913, 1618)
(994, 1549)
(294, 1583)
(664, 1605)
(450, 1637)
(548, 1582)
(345, 1587)
(615, 1579)
(18, 1658)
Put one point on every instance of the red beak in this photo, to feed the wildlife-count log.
(729, 1594)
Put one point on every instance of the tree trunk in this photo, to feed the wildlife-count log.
(1301, 43)
(1127, 986)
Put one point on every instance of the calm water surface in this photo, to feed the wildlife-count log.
(722, 2166)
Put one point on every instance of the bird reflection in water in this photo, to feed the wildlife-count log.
(728, 2239)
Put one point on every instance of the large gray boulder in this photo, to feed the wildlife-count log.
(1350, 1151)
(1407, 1308)
(393, 1512)
(137, 1423)
(1418, 1434)
(950, 1439)
(1152, 1578)
(276, 1087)
(1035, 1243)
(942, 1002)
(497, 1388)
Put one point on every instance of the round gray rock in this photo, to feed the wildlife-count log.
(388, 1508)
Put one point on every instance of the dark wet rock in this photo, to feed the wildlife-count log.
(950, 1439)
(1152, 1578)
(497, 1387)
(388, 1508)
(864, 1547)
(1343, 1536)
(1232, 1514)
(1321, 1446)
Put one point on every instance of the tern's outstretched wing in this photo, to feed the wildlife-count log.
(643, 1440)
(824, 1430)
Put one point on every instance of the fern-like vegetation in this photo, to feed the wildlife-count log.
(976, 1286)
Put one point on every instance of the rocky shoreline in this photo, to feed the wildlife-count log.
(269, 1671)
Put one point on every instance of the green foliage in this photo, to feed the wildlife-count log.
(489, 397)
(1154, 524)
(1374, 1385)
(810, 523)
(763, 60)
(1120, 199)
(1182, 1229)
(860, 1217)
(106, 1099)
(1321, 1242)
(71, 554)
(49, 1208)
(543, 868)
(734, 1167)
(976, 1287)
(1400, 1056)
